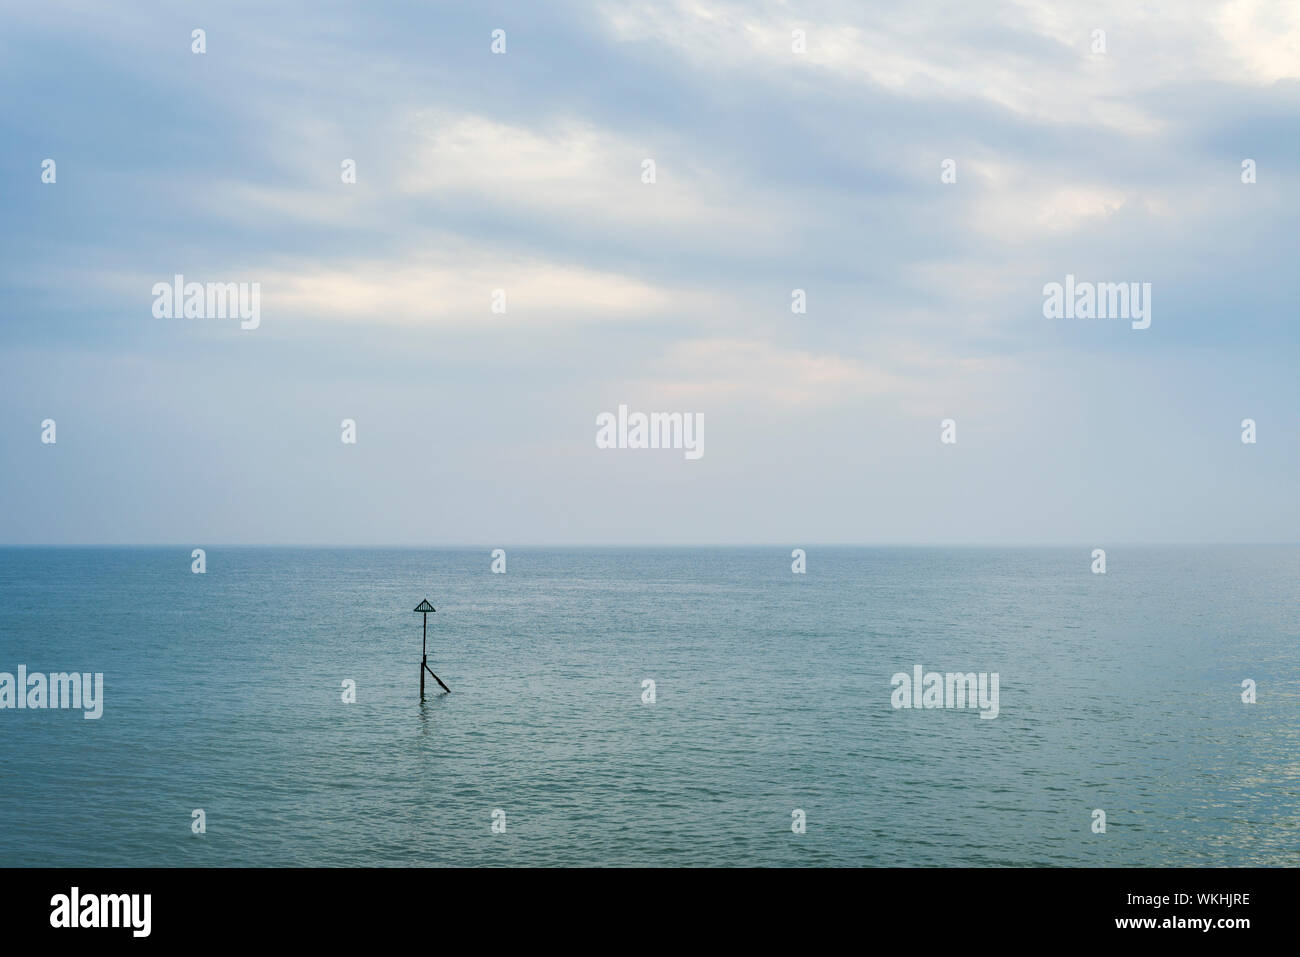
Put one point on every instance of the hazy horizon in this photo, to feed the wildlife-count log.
(487, 547)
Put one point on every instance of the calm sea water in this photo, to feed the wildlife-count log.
(223, 692)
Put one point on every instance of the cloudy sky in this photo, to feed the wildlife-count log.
(775, 170)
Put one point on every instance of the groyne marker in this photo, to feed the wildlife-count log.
(424, 608)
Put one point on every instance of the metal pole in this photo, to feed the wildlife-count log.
(424, 659)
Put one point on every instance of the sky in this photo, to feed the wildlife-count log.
(776, 169)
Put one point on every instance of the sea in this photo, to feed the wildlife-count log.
(703, 706)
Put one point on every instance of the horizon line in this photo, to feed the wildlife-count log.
(593, 545)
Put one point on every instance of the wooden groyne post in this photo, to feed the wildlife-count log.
(424, 608)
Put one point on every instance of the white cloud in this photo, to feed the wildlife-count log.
(1063, 86)
(1263, 37)
(1051, 76)
(574, 170)
(458, 287)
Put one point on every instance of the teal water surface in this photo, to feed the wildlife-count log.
(223, 692)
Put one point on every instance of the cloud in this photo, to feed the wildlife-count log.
(766, 375)
(1033, 76)
(459, 287)
(775, 171)
(581, 175)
